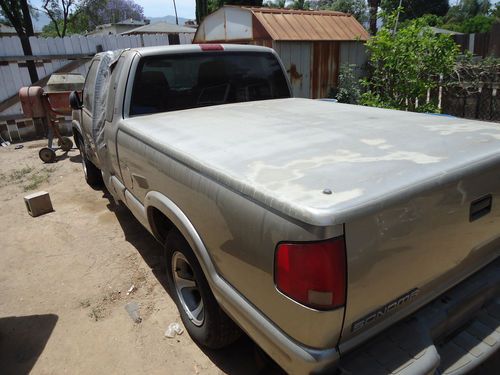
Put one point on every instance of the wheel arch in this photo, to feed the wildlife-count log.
(163, 215)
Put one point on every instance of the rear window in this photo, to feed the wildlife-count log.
(175, 82)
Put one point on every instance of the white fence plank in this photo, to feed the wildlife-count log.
(13, 76)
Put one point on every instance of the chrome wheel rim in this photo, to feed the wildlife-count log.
(187, 289)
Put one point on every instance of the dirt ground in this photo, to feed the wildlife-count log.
(64, 278)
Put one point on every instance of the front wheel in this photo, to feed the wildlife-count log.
(202, 316)
(92, 174)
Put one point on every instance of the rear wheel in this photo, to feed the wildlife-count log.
(92, 174)
(202, 316)
(65, 143)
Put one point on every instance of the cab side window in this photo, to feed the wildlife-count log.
(89, 88)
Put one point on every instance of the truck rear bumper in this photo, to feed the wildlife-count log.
(452, 335)
(292, 356)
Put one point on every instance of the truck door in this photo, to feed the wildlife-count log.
(87, 112)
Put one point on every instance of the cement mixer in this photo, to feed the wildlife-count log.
(44, 106)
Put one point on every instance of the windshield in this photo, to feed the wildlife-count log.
(175, 82)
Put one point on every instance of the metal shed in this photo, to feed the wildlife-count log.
(176, 34)
(311, 44)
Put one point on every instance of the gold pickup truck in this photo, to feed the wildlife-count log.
(336, 236)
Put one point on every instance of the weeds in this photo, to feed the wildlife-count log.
(36, 179)
(18, 174)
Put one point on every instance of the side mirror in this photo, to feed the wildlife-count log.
(74, 101)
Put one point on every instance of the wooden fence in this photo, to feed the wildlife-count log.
(481, 44)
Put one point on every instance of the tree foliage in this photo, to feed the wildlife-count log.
(18, 14)
(88, 14)
(113, 11)
(465, 9)
(275, 4)
(406, 64)
(202, 10)
(348, 90)
(357, 8)
(373, 6)
(59, 12)
(470, 16)
(412, 9)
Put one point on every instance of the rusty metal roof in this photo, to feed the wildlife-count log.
(287, 24)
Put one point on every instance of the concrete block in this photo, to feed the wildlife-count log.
(38, 203)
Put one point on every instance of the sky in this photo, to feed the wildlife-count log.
(185, 8)
(160, 8)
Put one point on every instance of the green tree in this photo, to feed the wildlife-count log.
(466, 9)
(201, 10)
(59, 12)
(18, 15)
(373, 6)
(275, 4)
(477, 24)
(416, 8)
(90, 13)
(406, 64)
(213, 5)
(348, 90)
(470, 16)
(355, 7)
(300, 4)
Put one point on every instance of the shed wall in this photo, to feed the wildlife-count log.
(354, 53)
(226, 24)
(296, 57)
(325, 69)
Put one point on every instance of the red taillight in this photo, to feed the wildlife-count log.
(312, 273)
(211, 47)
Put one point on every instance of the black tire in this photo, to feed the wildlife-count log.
(47, 155)
(65, 143)
(92, 174)
(217, 330)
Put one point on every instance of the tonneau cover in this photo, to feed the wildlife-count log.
(284, 153)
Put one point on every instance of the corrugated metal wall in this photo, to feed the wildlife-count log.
(296, 57)
(313, 67)
(325, 71)
(354, 53)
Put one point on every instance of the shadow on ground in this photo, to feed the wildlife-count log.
(242, 357)
(22, 340)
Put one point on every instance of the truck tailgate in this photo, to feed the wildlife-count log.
(407, 253)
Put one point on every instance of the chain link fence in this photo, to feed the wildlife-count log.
(482, 105)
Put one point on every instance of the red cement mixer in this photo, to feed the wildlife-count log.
(46, 106)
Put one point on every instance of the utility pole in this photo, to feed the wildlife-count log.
(175, 10)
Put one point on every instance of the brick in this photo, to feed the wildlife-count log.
(38, 203)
